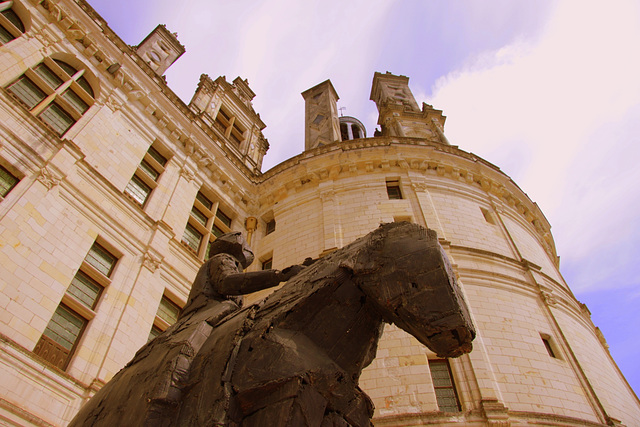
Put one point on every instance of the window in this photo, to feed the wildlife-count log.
(61, 336)
(146, 176)
(446, 394)
(344, 131)
(271, 227)
(267, 264)
(167, 315)
(548, 344)
(11, 26)
(7, 182)
(488, 216)
(229, 126)
(393, 190)
(55, 92)
(206, 222)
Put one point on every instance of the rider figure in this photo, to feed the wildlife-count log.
(221, 277)
(216, 292)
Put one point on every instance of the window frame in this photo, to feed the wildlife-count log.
(12, 186)
(160, 324)
(439, 397)
(76, 307)
(6, 24)
(233, 129)
(143, 175)
(215, 224)
(61, 101)
(394, 184)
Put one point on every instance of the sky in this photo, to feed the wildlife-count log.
(547, 90)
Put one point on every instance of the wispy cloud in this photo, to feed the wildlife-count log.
(559, 115)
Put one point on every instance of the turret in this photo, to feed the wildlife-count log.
(398, 110)
(160, 49)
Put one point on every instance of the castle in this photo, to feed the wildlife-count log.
(112, 188)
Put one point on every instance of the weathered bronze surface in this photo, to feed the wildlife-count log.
(295, 358)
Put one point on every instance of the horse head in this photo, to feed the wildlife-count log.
(407, 277)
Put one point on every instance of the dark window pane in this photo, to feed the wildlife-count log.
(443, 385)
(100, 259)
(84, 289)
(355, 130)
(192, 237)
(66, 67)
(204, 200)
(27, 92)
(216, 231)
(157, 156)
(547, 345)
(14, 19)
(223, 217)
(224, 114)
(149, 170)
(168, 311)
(48, 76)
(199, 216)
(271, 226)
(5, 36)
(76, 102)
(235, 138)
(64, 327)
(393, 190)
(84, 84)
(138, 190)
(267, 264)
(7, 181)
(155, 331)
(57, 118)
(344, 132)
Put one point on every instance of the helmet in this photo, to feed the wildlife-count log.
(233, 244)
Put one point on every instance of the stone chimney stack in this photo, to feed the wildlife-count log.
(321, 115)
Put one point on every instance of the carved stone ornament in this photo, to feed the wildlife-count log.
(295, 358)
(151, 261)
(549, 298)
(187, 174)
(47, 178)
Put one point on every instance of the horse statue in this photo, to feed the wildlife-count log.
(293, 359)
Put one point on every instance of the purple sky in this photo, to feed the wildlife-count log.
(548, 91)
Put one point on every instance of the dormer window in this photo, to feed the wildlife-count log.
(227, 124)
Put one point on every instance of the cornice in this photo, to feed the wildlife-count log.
(435, 159)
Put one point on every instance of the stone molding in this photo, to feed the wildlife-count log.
(478, 173)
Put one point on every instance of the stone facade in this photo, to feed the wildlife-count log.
(108, 178)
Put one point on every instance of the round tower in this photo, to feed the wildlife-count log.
(537, 358)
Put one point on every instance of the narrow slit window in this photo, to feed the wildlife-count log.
(549, 346)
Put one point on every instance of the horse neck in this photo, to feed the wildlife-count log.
(336, 317)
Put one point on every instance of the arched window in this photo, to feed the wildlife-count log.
(11, 27)
(55, 92)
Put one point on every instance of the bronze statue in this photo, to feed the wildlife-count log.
(295, 358)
